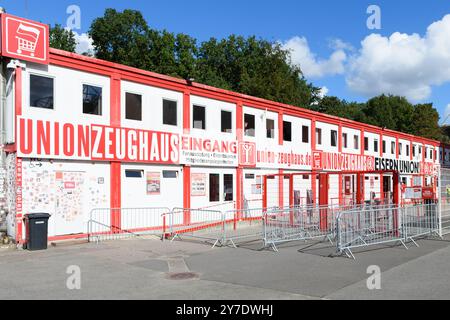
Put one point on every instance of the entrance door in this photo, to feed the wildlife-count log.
(387, 188)
(69, 200)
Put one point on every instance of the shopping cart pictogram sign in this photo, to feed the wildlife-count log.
(24, 39)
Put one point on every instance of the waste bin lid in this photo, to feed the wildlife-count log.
(40, 215)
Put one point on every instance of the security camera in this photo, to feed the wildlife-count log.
(13, 64)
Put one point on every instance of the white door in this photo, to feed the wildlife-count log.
(69, 200)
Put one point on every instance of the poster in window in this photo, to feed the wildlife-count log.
(153, 183)
(198, 184)
(257, 188)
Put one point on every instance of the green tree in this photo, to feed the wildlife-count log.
(62, 39)
(122, 37)
(426, 121)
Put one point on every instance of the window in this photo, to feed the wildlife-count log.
(392, 147)
(270, 128)
(420, 149)
(333, 138)
(214, 193)
(249, 176)
(249, 125)
(400, 149)
(170, 174)
(199, 121)
(356, 142)
(375, 145)
(318, 136)
(226, 123)
(344, 140)
(228, 187)
(170, 112)
(431, 154)
(407, 150)
(414, 151)
(134, 173)
(384, 146)
(287, 131)
(305, 134)
(92, 100)
(41, 92)
(366, 143)
(133, 106)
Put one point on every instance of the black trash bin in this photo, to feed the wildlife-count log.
(36, 231)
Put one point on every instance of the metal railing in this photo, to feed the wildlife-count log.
(371, 226)
(207, 225)
(118, 223)
(300, 223)
(242, 224)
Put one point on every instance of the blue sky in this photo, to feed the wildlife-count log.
(329, 38)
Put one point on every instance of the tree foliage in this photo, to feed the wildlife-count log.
(247, 65)
(62, 39)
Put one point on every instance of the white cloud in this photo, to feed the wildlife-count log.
(402, 64)
(313, 67)
(84, 43)
(323, 92)
(446, 117)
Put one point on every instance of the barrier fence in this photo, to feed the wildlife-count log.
(370, 226)
(348, 227)
(444, 184)
(105, 224)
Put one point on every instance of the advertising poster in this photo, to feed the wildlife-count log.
(198, 184)
(153, 183)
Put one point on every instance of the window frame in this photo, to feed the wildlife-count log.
(333, 137)
(231, 121)
(43, 75)
(194, 105)
(82, 98)
(285, 122)
(176, 112)
(273, 130)
(307, 133)
(125, 107)
(254, 125)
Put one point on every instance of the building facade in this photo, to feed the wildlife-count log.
(82, 133)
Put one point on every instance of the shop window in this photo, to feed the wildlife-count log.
(375, 145)
(318, 136)
(214, 188)
(170, 174)
(356, 142)
(226, 123)
(344, 140)
(249, 125)
(170, 112)
(92, 100)
(41, 92)
(333, 138)
(134, 173)
(228, 187)
(199, 120)
(366, 143)
(133, 106)
(287, 131)
(305, 134)
(270, 128)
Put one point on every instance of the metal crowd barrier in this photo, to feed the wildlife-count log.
(206, 225)
(245, 224)
(299, 223)
(370, 226)
(104, 223)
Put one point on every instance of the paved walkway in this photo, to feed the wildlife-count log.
(151, 269)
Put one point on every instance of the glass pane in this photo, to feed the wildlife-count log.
(41, 92)
(305, 134)
(287, 131)
(133, 106)
(92, 100)
(249, 125)
(214, 193)
(228, 187)
(226, 122)
(270, 127)
(199, 117)
(170, 112)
